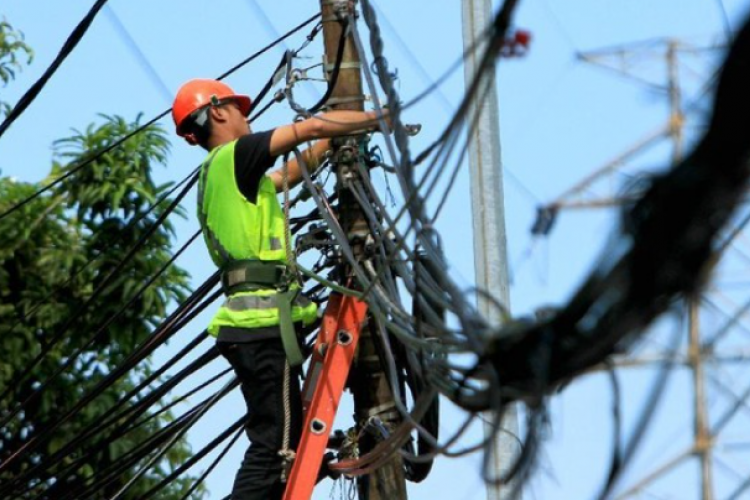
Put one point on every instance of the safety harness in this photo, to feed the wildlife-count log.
(253, 275)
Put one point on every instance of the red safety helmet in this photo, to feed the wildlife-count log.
(199, 93)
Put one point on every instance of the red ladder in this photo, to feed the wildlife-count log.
(331, 360)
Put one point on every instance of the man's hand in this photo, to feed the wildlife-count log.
(330, 124)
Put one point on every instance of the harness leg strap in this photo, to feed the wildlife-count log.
(288, 333)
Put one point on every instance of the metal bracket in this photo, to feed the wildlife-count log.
(341, 8)
(344, 65)
(380, 410)
(346, 100)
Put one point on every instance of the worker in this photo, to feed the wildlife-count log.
(258, 326)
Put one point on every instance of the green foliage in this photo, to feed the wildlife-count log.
(55, 252)
(14, 53)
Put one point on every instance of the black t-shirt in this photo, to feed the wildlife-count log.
(252, 159)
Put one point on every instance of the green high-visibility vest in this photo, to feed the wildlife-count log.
(236, 229)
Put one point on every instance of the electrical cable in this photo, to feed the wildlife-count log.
(412, 192)
(234, 428)
(414, 61)
(270, 46)
(213, 465)
(155, 445)
(97, 154)
(145, 64)
(169, 327)
(84, 163)
(108, 418)
(59, 289)
(119, 426)
(336, 70)
(34, 440)
(332, 221)
(401, 148)
(383, 75)
(454, 175)
(178, 435)
(68, 47)
(97, 291)
(125, 461)
(530, 358)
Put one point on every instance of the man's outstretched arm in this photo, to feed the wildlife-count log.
(331, 124)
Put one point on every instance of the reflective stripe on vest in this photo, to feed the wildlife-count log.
(242, 302)
(258, 310)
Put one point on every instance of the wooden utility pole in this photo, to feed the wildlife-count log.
(372, 395)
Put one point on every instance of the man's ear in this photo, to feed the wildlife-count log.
(218, 113)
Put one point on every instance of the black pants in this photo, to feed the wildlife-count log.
(259, 365)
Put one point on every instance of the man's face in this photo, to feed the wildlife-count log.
(236, 118)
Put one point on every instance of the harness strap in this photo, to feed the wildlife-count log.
(252, 275)
(286, 327)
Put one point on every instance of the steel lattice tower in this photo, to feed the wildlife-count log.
(715, 326)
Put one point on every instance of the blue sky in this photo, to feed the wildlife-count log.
(561, 119)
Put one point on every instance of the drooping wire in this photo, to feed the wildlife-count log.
(68, 47)
(235, 428)
(109, 427)
(95, 294)
(415, 204)
(71, 360)
(118, 142)
(33, 309)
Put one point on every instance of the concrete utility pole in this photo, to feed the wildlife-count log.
(368, 382)
(490, 252)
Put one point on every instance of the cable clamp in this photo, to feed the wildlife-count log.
(332, 18)
(341, 8)
(384, 410)
(346, 100)
(344, 65)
